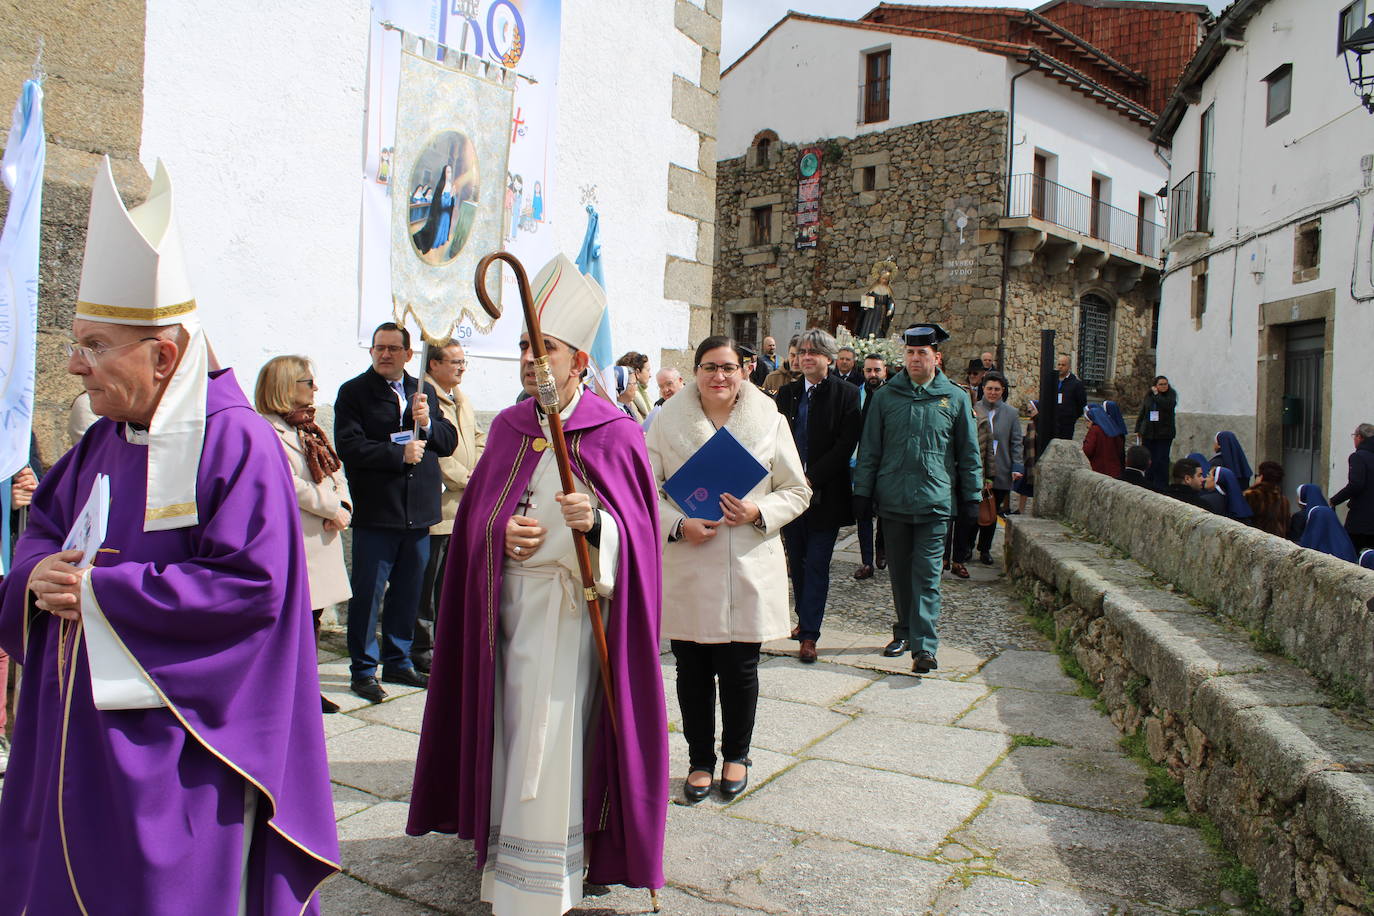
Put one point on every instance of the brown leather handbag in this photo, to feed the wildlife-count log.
(987, 511)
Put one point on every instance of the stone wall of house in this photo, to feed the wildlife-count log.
(937, 195)
(938, 192)
(1038, 299)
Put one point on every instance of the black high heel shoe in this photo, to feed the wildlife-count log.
(729, 788)
(692, 793)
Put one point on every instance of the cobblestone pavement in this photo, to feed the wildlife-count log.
(988, 788)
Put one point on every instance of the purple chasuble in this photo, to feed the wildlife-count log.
(142, 810)
(625, 800)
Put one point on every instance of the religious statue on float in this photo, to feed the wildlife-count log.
(878, 306)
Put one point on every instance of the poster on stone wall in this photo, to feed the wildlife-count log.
(808, 197)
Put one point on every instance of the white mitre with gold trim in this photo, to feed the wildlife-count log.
(134, 273)
(568, 302)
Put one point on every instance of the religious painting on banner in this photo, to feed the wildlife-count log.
(521, 36)
(808, 197)
(448, 197)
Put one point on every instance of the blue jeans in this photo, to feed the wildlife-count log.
(391, 562)
(808, 565)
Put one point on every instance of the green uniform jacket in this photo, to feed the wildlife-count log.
(918, 444)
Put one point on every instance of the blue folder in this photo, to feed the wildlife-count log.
(722, 465)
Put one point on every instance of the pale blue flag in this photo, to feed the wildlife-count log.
(589, 262)
(23, 175)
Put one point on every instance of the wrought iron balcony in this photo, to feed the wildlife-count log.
(1190, 205)
(1042, 199)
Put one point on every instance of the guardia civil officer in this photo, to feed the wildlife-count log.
(918, 450)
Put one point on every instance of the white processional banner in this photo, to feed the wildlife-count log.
(23, 174)
(450, 153)
(522, 35)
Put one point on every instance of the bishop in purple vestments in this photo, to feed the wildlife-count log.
(623, 790)
(168, 755)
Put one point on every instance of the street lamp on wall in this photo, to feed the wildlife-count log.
(1358, 51)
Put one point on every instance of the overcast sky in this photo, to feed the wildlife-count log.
(746, 20)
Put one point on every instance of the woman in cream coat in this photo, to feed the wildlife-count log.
(724, 580)
(285, 396)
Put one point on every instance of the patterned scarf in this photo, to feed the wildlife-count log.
(319, 454)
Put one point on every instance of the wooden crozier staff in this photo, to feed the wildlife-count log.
(548, 399)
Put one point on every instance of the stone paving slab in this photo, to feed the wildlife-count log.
(1026, 670)
(405, 712)
(334, 681)
(918, 699)
(349, 801)
(1103, 780)
(955, 663)
(787, 727)
(820, 685)
(822, 877)
(338, 723)
(990, 896)
(942, 752)
(434, 870)
(1158, 863)
(1063, 719)
(344, 895)
(704, 851)
(888, 810)
(375, 758)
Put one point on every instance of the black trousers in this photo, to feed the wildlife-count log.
(423, 646)
(959, 537)
(699, 666)
(987, 532)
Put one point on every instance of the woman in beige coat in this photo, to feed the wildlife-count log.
(725, 579)
(285, 396)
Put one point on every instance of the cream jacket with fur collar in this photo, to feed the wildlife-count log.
(733, 587)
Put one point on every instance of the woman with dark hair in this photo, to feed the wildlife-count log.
(1267, 501)
(434, 233)
(638, 364)
(724, 578)
(1155, 427)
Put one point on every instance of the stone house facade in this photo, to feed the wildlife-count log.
(929, 196)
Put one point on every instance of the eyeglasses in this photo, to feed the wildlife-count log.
(306, 381)
(809, 351)
(725, 369)
(460, 363)
(91, 355)
(387, 348)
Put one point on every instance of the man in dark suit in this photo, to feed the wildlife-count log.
(826, 421)
(1137, 467)
(846, 367)
(767, 362)
(394, 476)
(869, 531)
(1071, 399)
(1359, 489)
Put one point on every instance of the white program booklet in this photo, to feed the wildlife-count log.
(117, 682)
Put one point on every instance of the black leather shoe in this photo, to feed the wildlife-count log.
(986, 558)
(368, 689)
(895, 649)
(408, 676)
(881, 560)
(692, 793)
(422, 662)
(327, 705)
(924, 662)
(729, 788)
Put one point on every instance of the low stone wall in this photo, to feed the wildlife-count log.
(1282, 765)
